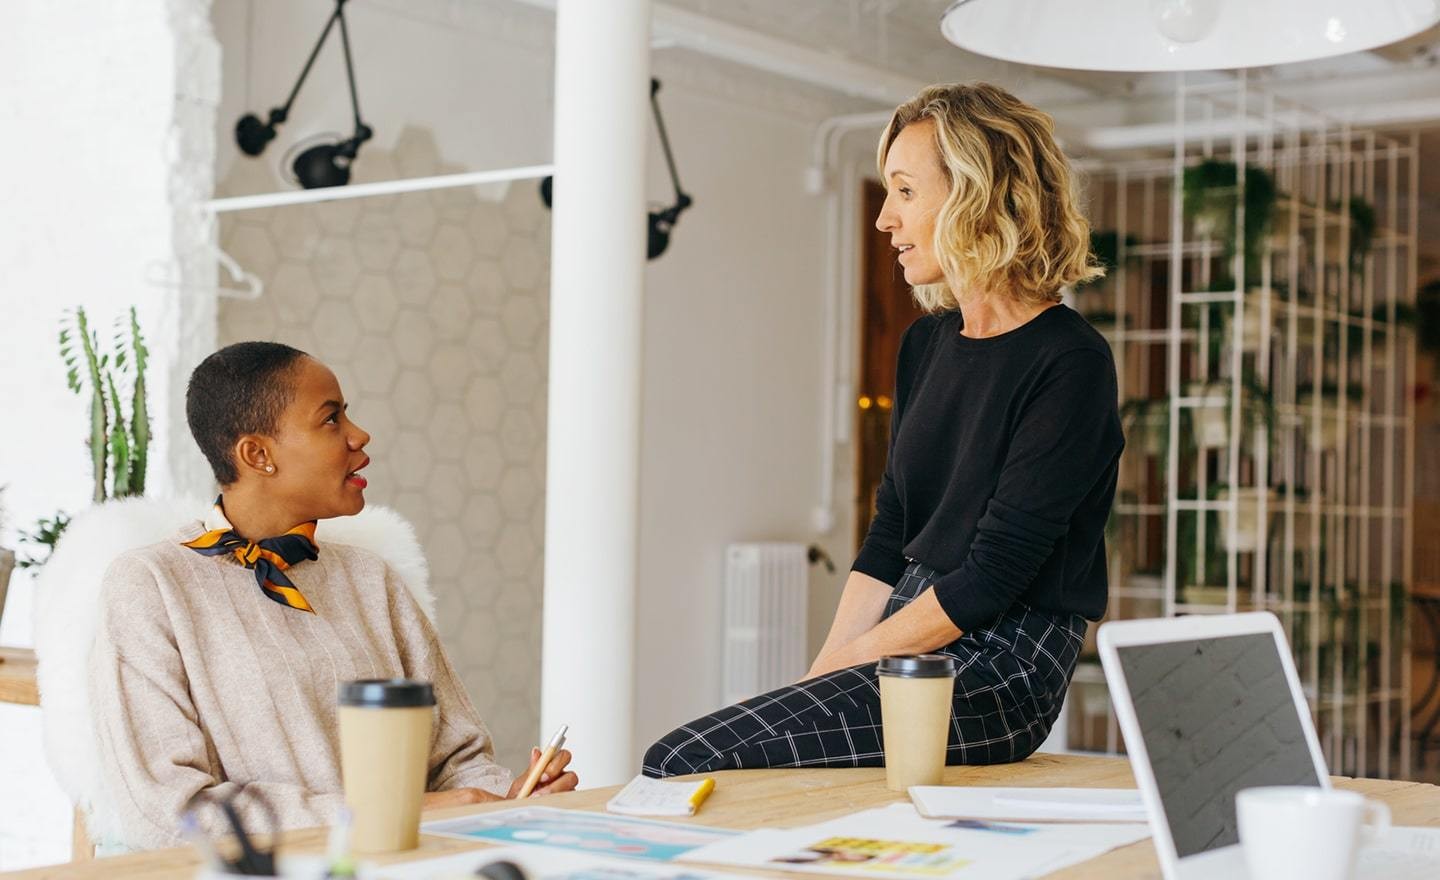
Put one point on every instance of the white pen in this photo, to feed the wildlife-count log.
(556, 742)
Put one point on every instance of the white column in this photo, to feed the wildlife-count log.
(602, 94)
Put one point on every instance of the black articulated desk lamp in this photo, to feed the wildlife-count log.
(317, 165)
(661, 220)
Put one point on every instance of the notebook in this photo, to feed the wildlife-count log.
(644, 796)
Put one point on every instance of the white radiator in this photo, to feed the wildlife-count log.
(766, 588)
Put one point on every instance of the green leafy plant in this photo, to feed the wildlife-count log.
(45, 536)
(1427, 317)
(1362, 233)
(119, 445)
(1210, 196)
(1104, 252)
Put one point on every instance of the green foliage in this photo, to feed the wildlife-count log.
(47, 533)
(1210, 198)
(139, 410)
(118, 446)
(1427, 317)
(1105, 253)
(1362, 233)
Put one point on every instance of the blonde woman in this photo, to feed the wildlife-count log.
(988, 539)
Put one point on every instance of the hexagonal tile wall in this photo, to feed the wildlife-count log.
(433, 310)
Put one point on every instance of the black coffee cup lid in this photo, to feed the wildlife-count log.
(917, 666)
(387, 693)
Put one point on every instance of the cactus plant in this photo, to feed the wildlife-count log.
(119, 446)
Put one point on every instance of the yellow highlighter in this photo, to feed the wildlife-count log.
(701, 793)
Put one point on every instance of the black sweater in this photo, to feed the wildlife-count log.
(1003, 458)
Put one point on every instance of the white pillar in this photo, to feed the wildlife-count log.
(602, 95)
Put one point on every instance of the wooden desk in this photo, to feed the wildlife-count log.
(17, 677)
(785, 798)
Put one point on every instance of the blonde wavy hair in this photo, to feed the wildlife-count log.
(1011, 221)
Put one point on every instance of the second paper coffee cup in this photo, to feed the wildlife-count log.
(915, 693)
(385, 727)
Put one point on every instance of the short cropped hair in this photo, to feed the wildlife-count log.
(1011, 221)
(240, 389)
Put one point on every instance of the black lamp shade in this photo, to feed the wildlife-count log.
(252, 135)
(322, 165)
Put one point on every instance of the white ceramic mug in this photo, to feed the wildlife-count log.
(1304, 833)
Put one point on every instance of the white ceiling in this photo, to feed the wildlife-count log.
(1395, 88)
(903, 37)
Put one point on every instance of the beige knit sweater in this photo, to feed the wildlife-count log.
(198, 681)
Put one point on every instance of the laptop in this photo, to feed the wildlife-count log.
(1210, 705)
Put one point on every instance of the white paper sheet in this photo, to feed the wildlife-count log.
(540, 864)
(896, 842)
(596, 834)
(1029, 804)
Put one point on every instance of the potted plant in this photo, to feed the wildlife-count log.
(1145, 423)
(114, 440)
(1211, 422)
(1325, 436)
(1248, 532)
(1192, 585)
(119, 442)
(1210, 198)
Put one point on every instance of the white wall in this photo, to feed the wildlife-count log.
(107, 136)
(106, 108)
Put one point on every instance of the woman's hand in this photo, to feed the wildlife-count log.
(456, 797)
(553, 780)
(861, 606)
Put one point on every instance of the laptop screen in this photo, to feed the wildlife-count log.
(1217, 716)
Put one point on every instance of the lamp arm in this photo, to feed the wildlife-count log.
(362, 131)
(279, 114)
(682, 200)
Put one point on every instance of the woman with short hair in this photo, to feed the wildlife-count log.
(988, 538)
(219, 652)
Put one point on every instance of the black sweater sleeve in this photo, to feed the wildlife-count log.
(1067, 427)
(882, 554)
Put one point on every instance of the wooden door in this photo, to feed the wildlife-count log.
(886, 309)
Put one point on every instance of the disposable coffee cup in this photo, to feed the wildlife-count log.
(385, 728)
(915, 692)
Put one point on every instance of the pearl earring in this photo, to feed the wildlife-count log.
(269, 468)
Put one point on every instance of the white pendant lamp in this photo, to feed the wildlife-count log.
(1158, 35)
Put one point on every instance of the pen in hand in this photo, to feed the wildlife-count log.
(531, 779)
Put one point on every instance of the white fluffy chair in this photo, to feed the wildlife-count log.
(67, 613)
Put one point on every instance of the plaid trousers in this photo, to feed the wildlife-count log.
(1011, 684)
